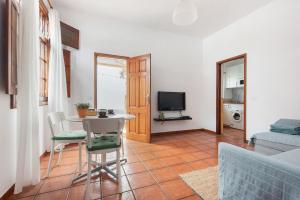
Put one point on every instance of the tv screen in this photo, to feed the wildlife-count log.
(171, 101)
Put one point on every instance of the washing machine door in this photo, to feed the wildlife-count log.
(236, 116)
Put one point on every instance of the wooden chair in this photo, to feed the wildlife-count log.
(103, 144)
(61, 137)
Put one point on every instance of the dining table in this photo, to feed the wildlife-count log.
(99, 167)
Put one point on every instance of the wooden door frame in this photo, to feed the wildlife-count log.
(95, 71)
(96, 54)
(219, 91)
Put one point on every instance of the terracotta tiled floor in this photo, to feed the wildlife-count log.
(151, 171)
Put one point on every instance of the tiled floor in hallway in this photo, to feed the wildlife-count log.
(151, 173)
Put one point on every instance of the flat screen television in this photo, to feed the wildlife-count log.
(171, 101)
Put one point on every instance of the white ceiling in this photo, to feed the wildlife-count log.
(213, 14)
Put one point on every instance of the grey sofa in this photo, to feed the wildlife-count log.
(271, 143)
(247, 175)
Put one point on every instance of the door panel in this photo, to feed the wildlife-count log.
(142, 123)
(139, 83)
(143, 66)
(143, 91)
(132, 125)
(132, 94)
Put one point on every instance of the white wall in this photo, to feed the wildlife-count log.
(7, 144)
(7, 120)
(270, 37)
(176, 61)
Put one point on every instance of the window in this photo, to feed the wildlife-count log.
(44, 53)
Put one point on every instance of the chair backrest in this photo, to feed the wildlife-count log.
(55, 120)
(103, 125)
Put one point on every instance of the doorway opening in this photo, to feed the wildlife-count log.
(123, 84)
(110, 83)
(231, 96)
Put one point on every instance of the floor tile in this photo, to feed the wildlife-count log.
(188, 157)
(63, 170)
(133, 168)
(176, 189)
(56, 183)
(29, 191)
(161, 154)
(140, 180)
(72, 154)
(146, 156)
(164, 174)
(142, 150)
(189, 149)
(77, 192)
(176, 151)
(105, 175)
(181, 169)
(59, 194)
(173, 160)
(132, 158)
(69, 161)
(200, 155)
(124, 196)
(149, 193)
(211, 161)
(95, 190)
(110, 187)
(44, 164)
(200, 164)
(25, 198)
(193, 197)
(153, 164)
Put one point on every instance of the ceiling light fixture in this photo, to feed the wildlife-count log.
(185, 13)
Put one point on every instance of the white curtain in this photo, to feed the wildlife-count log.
(28, 162)
(57, 89)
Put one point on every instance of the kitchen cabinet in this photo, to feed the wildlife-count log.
(233, 76)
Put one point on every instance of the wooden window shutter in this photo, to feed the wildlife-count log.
(67, 59)
(12, 20)
(69, 35)
(12, 48)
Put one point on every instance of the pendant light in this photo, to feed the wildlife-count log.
(185, 13)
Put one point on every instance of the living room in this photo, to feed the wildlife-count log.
(182, 59)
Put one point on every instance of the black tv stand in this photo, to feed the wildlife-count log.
(173, 118)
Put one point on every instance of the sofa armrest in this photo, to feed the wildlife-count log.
(248, 175)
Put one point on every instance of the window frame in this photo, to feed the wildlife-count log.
(44, 53)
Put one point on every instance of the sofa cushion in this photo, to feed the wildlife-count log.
(287, 126)
(291, 140)
(275, 146)
(104, 142)
(291, 157)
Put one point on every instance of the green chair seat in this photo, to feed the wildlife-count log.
(103, 142)
(70, 135)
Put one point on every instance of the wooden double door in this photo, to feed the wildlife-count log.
(139, 98)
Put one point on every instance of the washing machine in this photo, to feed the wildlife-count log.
(234, 115)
